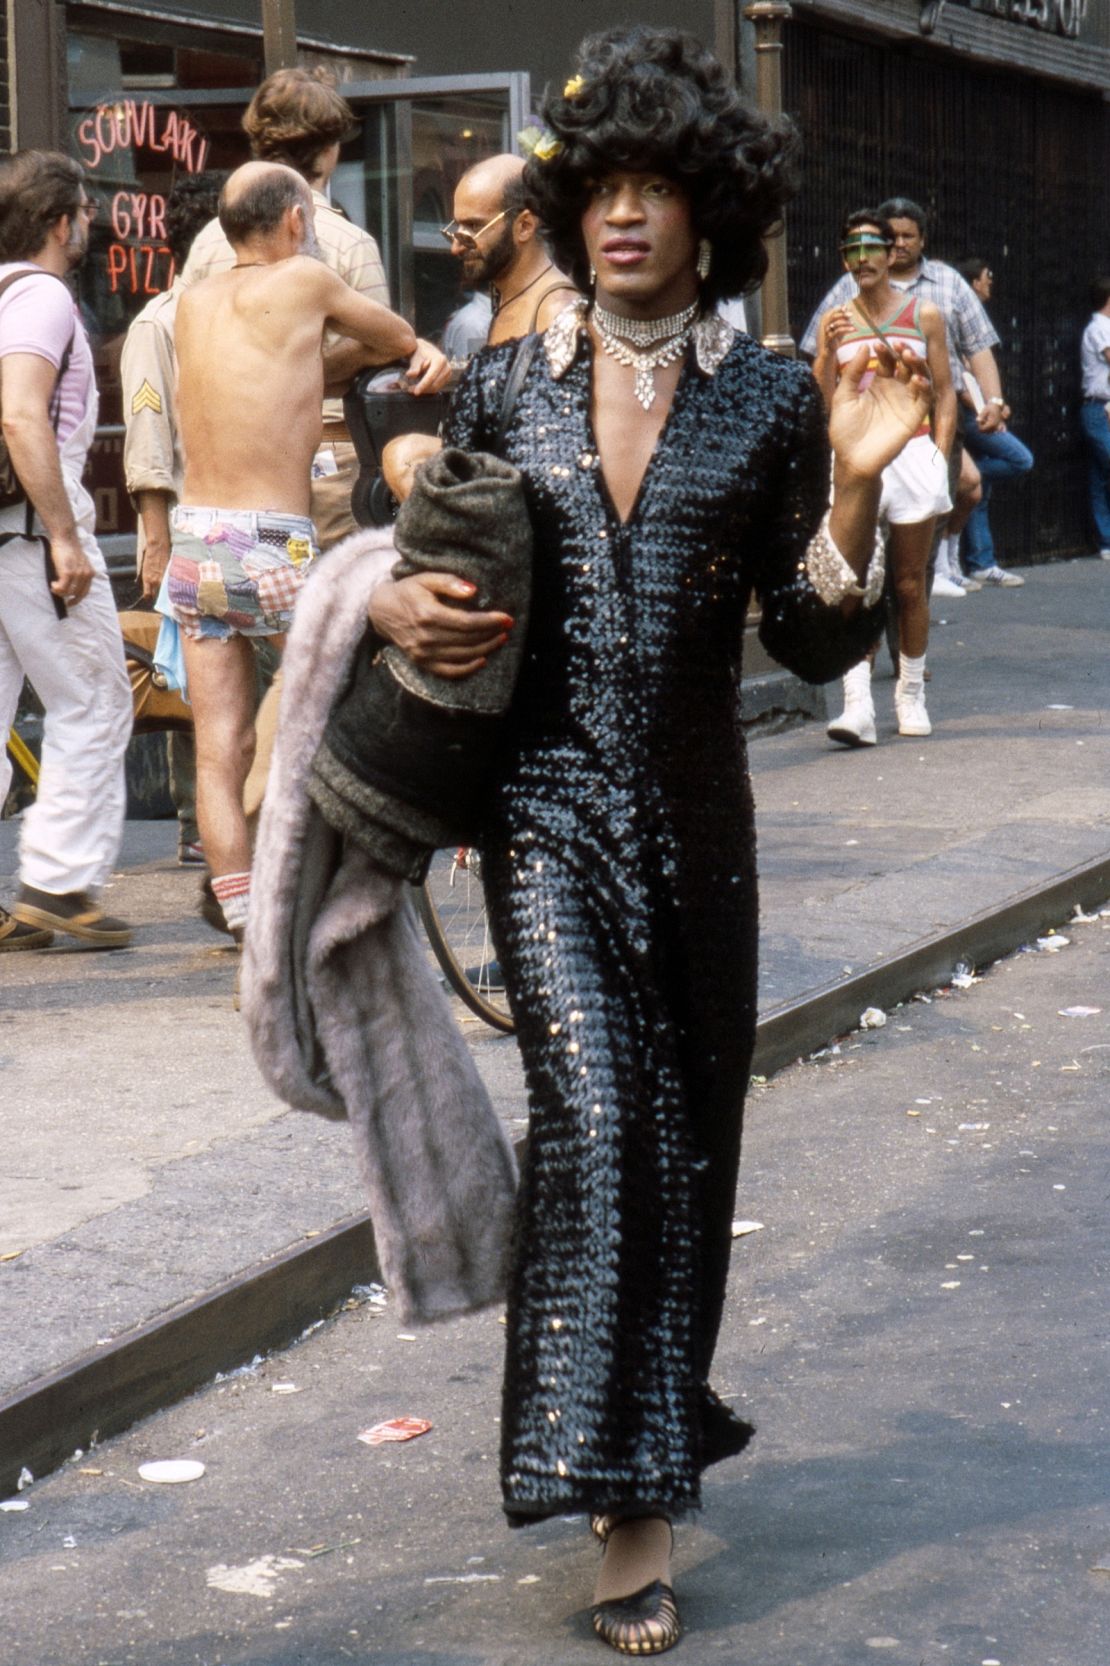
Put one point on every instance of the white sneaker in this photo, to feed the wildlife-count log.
(856, 724)
(972, 584)
(1105, 554)
(945, 586)
(909, 703)
(1006, 581)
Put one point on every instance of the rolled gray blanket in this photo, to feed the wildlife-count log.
(405, 763)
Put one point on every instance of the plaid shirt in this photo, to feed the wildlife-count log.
(966, 324)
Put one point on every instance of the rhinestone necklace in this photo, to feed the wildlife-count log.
(631, 341)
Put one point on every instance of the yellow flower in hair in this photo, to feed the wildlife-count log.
(574, 86)
(547, 147)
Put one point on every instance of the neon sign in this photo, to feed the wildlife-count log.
(139, 261)
(127, 125)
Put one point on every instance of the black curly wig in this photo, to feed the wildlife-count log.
(656, 100)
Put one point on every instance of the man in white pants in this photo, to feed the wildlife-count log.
(58, 624)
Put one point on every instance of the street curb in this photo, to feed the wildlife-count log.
(268, 1306)
(104, 1391)
(800, 1027)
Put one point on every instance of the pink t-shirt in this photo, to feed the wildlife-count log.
(40, 317)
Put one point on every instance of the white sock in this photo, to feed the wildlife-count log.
(233, 892)
(911, 670)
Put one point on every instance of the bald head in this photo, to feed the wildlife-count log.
(491, 218)
(256, 199)
(497, 180)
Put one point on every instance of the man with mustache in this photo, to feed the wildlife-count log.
(971, 337)
(251, 382)
(496, 237)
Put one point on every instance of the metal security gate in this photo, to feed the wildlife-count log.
(1010, 169)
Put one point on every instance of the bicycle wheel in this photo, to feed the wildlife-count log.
(452, 906)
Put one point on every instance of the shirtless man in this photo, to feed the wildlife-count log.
(251, 385)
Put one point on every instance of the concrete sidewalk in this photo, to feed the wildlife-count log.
(145, 1162)
(918, 1332)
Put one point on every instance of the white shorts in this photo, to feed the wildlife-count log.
(915, 485)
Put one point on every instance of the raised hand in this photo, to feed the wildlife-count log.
(868, 426)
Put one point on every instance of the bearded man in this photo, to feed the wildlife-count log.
(496, 238)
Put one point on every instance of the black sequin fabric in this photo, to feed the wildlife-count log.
(619, 858)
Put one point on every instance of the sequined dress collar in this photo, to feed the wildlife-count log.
(712, 338)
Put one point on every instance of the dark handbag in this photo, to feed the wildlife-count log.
(374, 416)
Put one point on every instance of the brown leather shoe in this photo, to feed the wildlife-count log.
(74, 913)
(14, 935)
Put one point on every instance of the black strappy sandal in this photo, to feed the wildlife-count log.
(644, 1623)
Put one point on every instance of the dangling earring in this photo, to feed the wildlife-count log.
(705, 256)
(593, 277)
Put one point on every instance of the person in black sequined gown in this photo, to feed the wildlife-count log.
(619, 853)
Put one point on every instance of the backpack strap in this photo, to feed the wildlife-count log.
(34, 272)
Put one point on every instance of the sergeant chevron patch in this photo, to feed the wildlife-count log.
(147, 399)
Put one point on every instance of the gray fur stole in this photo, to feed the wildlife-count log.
(344, 1012)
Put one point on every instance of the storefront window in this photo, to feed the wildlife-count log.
(139, 122)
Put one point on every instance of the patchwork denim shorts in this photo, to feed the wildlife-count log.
(237, 572)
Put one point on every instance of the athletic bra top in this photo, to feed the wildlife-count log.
(903, 330)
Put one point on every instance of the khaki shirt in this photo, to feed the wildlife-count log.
(152, 459)
(345, 247)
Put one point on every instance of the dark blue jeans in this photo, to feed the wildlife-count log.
(1096, 432)
(998, 456)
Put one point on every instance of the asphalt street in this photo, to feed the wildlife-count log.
(917, 1326)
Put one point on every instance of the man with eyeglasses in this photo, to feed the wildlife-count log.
(496, 239)
(58, 624)
(915, 482)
